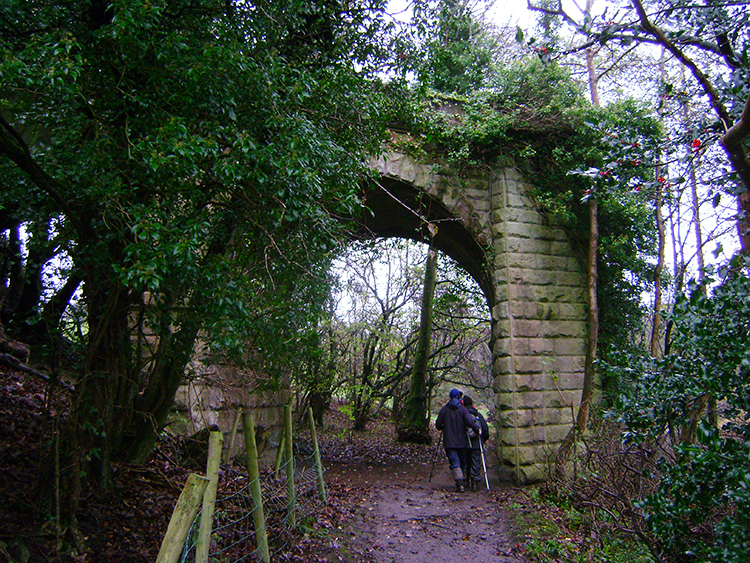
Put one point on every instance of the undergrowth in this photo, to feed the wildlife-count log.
(591, 513)
(555, 530)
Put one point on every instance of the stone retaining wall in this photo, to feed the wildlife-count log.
(213, 396)
(216, 397)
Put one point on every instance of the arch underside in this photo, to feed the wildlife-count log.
(397, 209)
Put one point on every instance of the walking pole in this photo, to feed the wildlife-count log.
(434, 458)
(484, 464)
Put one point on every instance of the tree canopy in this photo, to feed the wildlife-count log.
(709, 43)
(182, 166)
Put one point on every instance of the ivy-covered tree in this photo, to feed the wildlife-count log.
(454, 50)
(415, 425)
(181, 165)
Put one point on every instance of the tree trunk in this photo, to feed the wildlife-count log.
(655, 329)
(155, 403)
(101, 403)
(29, 281)
(361, 412)
(592, 283)
(362, 403)
(321, 392)
(661, 233)
(593, 79)
(587, 394)
(734, 145)
(116, 415)
(415, 427)
(320, 402)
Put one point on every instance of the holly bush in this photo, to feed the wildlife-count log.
(690, 410)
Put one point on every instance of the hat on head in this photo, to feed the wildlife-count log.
(468, 402)
(455, 394)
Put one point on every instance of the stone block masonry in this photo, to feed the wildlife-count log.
(216, 394)
(541, 331)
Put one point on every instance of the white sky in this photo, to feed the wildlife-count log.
(504, 11)
(513, 12)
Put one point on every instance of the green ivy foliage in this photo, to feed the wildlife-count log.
(167, 125)
(453, 51)
(534, 116)
(194, 159)
(526, 100)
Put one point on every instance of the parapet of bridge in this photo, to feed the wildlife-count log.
(534, 283)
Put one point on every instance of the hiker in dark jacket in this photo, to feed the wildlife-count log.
(453, 419)
(474, 453)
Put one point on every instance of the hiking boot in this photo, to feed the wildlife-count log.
(458, 477)
(474, 485)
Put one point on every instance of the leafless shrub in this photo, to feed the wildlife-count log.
(608, 478)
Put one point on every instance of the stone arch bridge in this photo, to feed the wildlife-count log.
(533, 282)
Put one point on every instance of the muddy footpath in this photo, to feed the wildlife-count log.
(401, 515)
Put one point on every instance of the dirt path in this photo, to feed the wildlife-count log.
(402, 517)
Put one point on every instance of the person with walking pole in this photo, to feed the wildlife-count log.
(453, 420)
(475, 453)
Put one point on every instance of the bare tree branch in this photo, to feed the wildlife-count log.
(15, 148)
(733, 145)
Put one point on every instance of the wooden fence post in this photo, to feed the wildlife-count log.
(183, 516)
(215, 441)
(291, 517)
(279, 455)
(232, 435)
(318, 464)
(259, 519)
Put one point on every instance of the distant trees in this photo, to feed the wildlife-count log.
(676, 392)
(456, 50)
(706, 44)
(377, 330)
(374, 330)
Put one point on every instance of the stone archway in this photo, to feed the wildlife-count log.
(533, 282)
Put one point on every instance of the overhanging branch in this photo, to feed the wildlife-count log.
(15, 148)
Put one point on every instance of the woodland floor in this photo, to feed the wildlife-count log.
(382, 508)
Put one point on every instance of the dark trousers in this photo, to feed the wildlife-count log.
(474, 460)
(457, 458)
